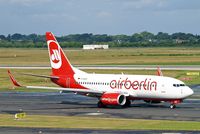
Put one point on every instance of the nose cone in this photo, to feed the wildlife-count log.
(189, 92)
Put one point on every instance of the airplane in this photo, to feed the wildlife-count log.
(110, 89)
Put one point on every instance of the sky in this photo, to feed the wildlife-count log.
(112, 17)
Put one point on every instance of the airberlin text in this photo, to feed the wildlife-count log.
(146, 84)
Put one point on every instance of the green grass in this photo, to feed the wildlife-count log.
(45, 121)
(121, 56)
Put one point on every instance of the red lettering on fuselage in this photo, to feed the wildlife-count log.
(113, 84)
(146, 84)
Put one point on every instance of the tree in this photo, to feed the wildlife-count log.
(147, 35)
(2, 37)
(179, 35)
(163, 36)
(17, 36)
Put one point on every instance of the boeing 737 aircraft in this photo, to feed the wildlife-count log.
(110, 89)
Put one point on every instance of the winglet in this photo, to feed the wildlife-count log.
(13, 79)
(159, 72)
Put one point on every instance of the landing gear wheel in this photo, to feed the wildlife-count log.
(172, 106)
(127, 104)
(100, 104)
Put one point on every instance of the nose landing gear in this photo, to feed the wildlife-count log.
(173, 103)
(172, 106)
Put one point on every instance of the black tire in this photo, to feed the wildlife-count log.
(172, 106)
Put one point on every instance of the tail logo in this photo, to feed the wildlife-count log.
(55, 55)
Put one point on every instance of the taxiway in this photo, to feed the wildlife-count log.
(13, 130)
(69, 104)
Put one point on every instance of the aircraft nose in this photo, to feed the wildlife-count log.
(189, 91)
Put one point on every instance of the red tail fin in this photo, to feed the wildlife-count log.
(59, 62)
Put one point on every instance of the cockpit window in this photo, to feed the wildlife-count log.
(178, 85)
(175, 85)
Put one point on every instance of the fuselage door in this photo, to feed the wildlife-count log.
(163, 89)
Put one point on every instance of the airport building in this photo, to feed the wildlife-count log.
(94, 46)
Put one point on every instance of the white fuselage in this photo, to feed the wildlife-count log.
(137, 86)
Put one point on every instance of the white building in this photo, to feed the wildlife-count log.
(87, 47)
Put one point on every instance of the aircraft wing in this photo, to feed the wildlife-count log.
(43, 76)
(81, 91)
(65, 89)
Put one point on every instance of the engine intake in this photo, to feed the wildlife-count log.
(113, 99)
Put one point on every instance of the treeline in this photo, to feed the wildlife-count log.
(143, 39)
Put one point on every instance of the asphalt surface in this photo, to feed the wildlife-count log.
(76, 105)
(116, 67)
(11, 130)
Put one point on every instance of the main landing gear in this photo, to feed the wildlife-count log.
(100, 105)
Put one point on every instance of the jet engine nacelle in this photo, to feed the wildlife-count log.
(113, 99)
